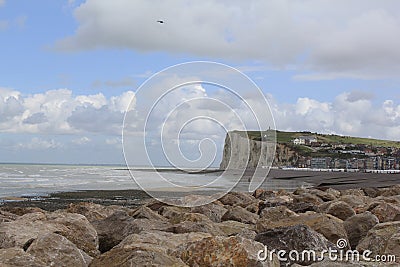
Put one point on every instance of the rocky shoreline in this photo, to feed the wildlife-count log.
(231, 231)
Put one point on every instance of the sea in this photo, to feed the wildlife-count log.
(30, 180)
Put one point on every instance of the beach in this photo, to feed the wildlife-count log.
(53, 187)
(239, 229)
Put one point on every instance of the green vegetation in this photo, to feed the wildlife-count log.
(287, 137)
(324, 138)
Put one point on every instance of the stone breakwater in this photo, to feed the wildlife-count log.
(228, 232)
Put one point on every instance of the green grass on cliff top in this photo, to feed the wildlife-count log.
(287, 137)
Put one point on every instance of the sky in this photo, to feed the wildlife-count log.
(70, 70)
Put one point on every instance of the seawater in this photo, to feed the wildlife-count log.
(36, 180)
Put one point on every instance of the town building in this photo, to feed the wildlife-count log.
(305, 140)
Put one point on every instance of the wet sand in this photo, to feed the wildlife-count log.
(338, 180)
(133, 198)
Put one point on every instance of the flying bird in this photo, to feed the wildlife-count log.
(160, 21)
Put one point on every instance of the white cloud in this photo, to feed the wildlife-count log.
(60, 112)
(350, 113)
(81, 141)
(40, 144)
(2, 2)
(329, 38)
(98, 119)
(113, 141)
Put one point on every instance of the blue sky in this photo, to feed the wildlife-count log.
(68, 66)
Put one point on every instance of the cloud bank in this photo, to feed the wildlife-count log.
(60, 112)
(324, 39)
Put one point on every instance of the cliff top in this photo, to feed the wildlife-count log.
(283, 137)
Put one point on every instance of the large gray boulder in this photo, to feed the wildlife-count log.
(296, 237)
(147, 249)
(119, 225)
(56, 250)
(17, 257)
(382, 239)
(387, 212)
(211, 210)
(223, 251)
(339, 209)
(357, 226)
(327, 225)
(240, 214)
(25, 229)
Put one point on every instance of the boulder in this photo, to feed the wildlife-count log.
(378, 238)
(295, 237)
(353, 192)
(325, 196)
(114, 229)
(240, 214)
(254, 207)
(387, 212)
(230, 228)
(195, 200)
(371, 192)
(276, 213)
(122, 257)
(358, 203)
(163, 240)
(26, 228)
(328, 263)
(141, 225)
(119, 225)
(147, 248)
(390, 191)
(357, 226)
(307, 198)
(327, 225)
(263, 194)
(195, 222)
(211, 210)
(237, 199)
(300, 190)
(6, 216)
(300, 207)
(222, 251)
(275, 201)
(174, 214)
(77, 229)
(393, 246)
(22, 210)
(92, 211)
(339, 209)
(56, 250)
(17, 257)
(333, 192)
(154, 204)
(146, 213)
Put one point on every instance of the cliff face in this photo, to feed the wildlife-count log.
(285, 156)
(241, 152)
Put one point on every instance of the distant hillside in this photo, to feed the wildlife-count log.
(287, 137)
(310, 150)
